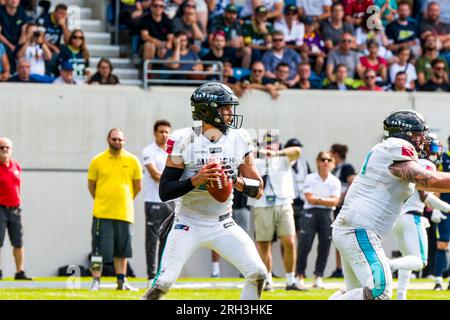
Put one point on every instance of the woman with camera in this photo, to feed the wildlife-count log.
(34, 49)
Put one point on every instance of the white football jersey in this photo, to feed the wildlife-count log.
(414, 203)
(376, 197)
(196, 150)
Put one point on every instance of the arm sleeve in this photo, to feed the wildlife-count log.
(307, 186)
(147, 157)
(137, 175)
(170, 186)
(92, 172)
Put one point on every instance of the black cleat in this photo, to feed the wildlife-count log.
(337, 274)
(295, 287)
(22, 276)
(153, 294)
(437, 287)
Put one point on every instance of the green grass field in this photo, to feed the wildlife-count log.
(191, 294)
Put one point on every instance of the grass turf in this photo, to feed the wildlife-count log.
(188, 294)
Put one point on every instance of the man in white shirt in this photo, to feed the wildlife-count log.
(320, 9)
(273, 213)
(66, 75)
(154, 158)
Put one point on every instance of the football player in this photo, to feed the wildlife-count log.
(200, 220)
(388, 177)
(409, 230)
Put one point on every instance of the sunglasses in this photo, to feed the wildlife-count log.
(257, 70)
(346, 40)
(370, 77)
(4, 147)
(190, 6)
(278, 40)
(78, 37)
(326, 159)
(158, 6)
(116, 139)
(439, 68)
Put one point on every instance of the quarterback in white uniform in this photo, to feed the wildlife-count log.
(200, 220)
(374, 201)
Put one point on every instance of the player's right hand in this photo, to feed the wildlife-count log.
(437, 216)
(208, 172)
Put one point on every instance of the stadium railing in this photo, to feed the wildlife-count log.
(201, 76)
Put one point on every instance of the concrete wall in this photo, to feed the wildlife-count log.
(57, 130)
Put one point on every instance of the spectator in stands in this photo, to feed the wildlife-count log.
(230, 80)
(444, 6)
(388, 10)
(370, 78)
(12, 21)
(257, 39)
(156, 32)
(355, 10)
(23, 73)
(273, 213)
(217, 8)
(274, 8)
(344, 55)
(304, 75)
(34, 49)
(432, 25)
(55, 25)
(317, 9)
(313, 49)
(374, 62)
(66, 75)
(340, 79)
(181, 52)
(229, 24)
(322, 191)
(4, 64)
(403, 64)
(333, 27)
(218, 50)
(364, 33)
(403, 31)
(104, 73)
(423, 64)
(292, 28)
(77, 54)
(188, 22)
(399, 83)
(438, 80)
(257, 80)
(280, 53)
(282, 75)
(131, 12)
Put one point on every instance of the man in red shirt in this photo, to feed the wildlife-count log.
(369, 81)
(10, 218)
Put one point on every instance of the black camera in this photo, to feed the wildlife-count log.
(36, 34)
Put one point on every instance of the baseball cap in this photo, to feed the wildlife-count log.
(290, 8)
(231, 8)
(309, 20)
(66, 65)
(270, 137)
(293, 142)
(261, 9)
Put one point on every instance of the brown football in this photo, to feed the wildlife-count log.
(221, 188)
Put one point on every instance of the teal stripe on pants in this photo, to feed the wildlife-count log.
(417, 221)
(375, 264)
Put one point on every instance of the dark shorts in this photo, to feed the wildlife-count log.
(111, 239)
(444, 229)
(11, 220)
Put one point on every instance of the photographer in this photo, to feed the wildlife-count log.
(34, 49)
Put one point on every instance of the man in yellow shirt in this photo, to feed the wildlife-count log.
(114, 180)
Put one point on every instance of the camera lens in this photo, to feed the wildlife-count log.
(36, 34)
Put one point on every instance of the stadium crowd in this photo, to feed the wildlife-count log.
(372, 45)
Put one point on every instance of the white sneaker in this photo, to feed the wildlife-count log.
(95, 286)
(318, 283)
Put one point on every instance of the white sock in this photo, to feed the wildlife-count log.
(406, 263)
(250, 291)
(337, 295)
(269, 277)
(354, 294)
(215, 267)
(439, 280)
(403, 281)
(290, 278)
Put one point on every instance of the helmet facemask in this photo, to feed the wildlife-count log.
(212, 116)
